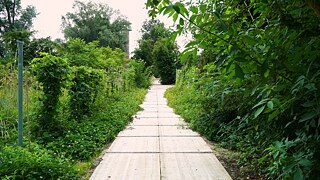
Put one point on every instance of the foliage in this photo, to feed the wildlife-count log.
(52, 72)
(84, 139)
(86, 84)
(97, 22)
(142, 75)
(165, 54)
(144, 51)
(80, 97)
(256, 80)
(37, 46)
(152, 31)
(80, 53)
(19, 163)
(15, 23)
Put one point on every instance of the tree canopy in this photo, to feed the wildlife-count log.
(15, 23)
(92, 22)
(156, 51)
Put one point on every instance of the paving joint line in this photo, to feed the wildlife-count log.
(153, 152)
(165, 136)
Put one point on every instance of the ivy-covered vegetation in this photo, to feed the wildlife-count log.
(78, 94)
(74, 112)
(250, 79)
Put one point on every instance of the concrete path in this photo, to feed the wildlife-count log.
(158, 145)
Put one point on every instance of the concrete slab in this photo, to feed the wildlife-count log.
(145, 122)
(190, 166)
(172, 122)
(151, 109)
(165, 110)
(150, 103)
(135, 145)
(148, 106)
(140, 131)
(128, 166)
(147, 114)
(162, 102)
(183, 144)
(168, 115)
(183, 131)
(162, 106)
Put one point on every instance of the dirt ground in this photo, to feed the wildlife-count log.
(229, 160)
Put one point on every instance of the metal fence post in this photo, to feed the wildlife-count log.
(20, 92)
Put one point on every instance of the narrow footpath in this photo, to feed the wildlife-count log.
(158, 145)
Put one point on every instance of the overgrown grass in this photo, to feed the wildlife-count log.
(70, 154)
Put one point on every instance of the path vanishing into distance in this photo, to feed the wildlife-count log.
(159, 145)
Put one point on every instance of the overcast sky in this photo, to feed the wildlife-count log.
(48, 22)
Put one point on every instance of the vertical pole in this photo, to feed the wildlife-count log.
(20, 91)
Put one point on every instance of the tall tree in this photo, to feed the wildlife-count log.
(15, 23)
(152, 31)
(92, 22)
(165, 55)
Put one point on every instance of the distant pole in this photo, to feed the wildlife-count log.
(20, 91)
(128, 44)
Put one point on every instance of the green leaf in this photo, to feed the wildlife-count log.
(305, 162)
(193, 18)
(270, 105)
(167, 10)
(308, 115)
(181, 21)
(311, 87)
(155, 2)
(192, 44)
(217, 14)
(239, 71)
(176, 8)
(183, 10)
(194, 9)
(276, 101)
(203, 8)
(259, 111)
(309, 104)
(298, 175)
(175, 17)
(249, 40)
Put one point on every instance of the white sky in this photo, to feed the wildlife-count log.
(48, 22)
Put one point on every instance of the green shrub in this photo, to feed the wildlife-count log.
(52, 72)
(19, 163)
(257, 121)
(84, 139)
(165, 56)
(86, 83)
(142, 75)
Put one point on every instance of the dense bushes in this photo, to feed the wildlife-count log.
(225, 111)
(19, 163)
(165, 56)
(52, 72)
(86, 83)
(254, 83)
(140, 72)
(83, 106)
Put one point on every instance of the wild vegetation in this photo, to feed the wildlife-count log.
(92, 22)
(78, 96)
(157, 51)
(250, 79)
